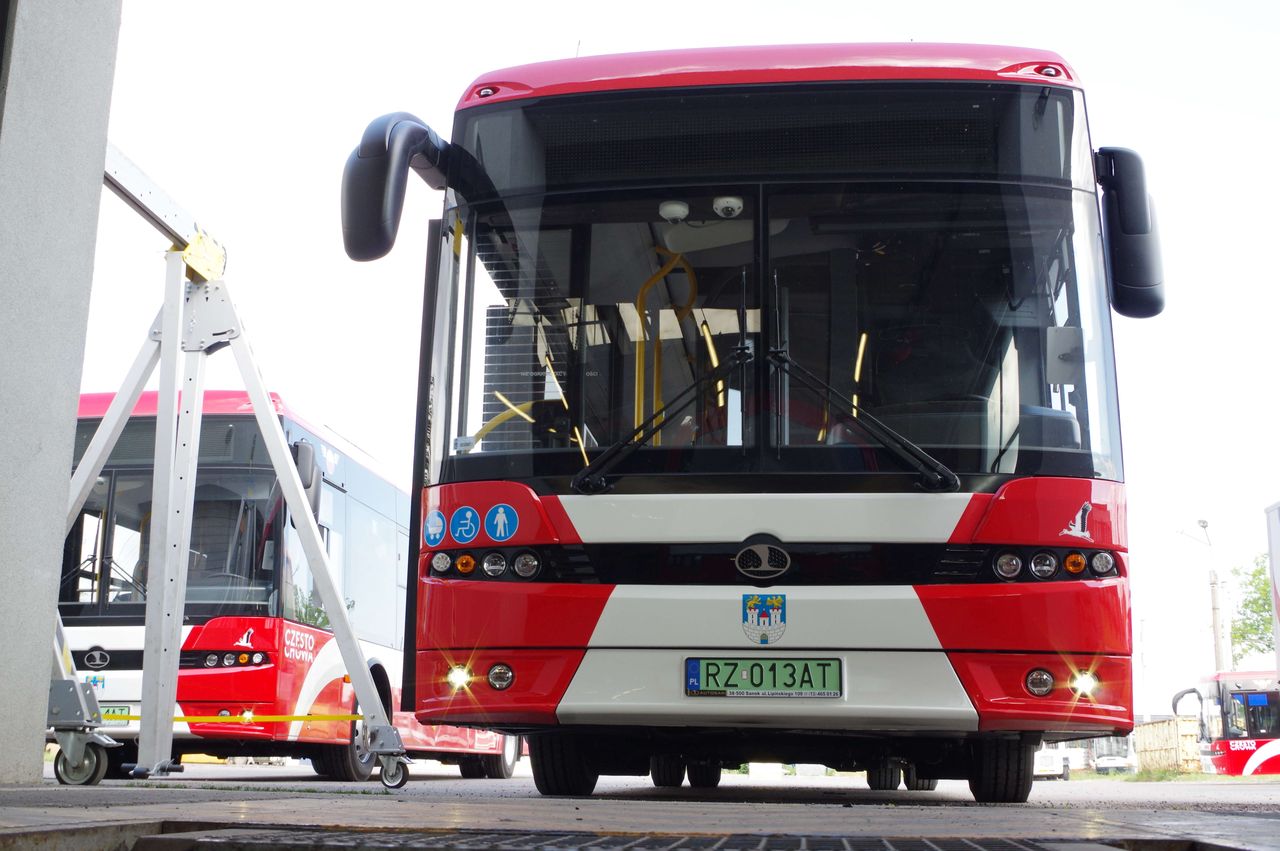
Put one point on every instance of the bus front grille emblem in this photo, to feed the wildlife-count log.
(762, 561)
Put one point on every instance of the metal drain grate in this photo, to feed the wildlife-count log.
(313, 840)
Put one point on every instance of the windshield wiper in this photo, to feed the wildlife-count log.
(591, 478)
(934, 475)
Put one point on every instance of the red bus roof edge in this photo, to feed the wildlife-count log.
(215, 402)
(721, 66)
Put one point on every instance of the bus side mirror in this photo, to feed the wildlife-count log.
(304, 458)
(375, 178)
(1177, 698)
(1130, 234)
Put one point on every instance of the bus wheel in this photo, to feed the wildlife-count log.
(667, 771)
(1001, 771)
(471, 768)
(885, 776)
(560, 765)
(918, 784)
(704, 775)
(350, 762)
(90, 771)
(502, 766)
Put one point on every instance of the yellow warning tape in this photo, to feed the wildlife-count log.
(237, 719)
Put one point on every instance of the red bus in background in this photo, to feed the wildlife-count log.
(1239, 722)
(257, 656)
(767, 411)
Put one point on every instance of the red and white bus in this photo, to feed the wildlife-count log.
(1239, 722)
(768, 411)
(260, 674)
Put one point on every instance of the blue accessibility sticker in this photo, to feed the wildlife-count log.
(433, 529)
(501, 522)
(464, 525)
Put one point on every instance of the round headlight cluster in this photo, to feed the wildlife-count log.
(494, 564)
(1008, 565)
(221, 659)
(1047, 564)
(1044, 565)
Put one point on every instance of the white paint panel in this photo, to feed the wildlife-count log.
(864, 617)
(883, 691)
(898, 518)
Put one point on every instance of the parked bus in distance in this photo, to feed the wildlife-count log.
(255, 638)
(1112, 755)
(1239, 727)
(767, 411)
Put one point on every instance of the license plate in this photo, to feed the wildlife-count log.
(108, 711)
(755, 677)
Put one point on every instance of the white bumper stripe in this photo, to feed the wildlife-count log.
(793, 518)
(882, 691)
(864, 616)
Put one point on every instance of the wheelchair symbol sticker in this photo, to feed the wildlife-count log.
(433, 530)
(501, 522)
(464, 525)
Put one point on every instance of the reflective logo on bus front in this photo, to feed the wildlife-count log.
(764, 617)
(245, 640)
(1079, 525)
(97, 658)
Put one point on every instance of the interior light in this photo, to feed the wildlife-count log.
(1084, 683)
(459, 676)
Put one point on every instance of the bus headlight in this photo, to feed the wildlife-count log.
(459, 676)
(525, 565)
(1084, 683)
(1008, 565)
(494, 564)
(1044, 565)
(229, 659)
(211, 660)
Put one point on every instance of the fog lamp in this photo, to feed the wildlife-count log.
(459, 676)
(440, 562)
(1008, 566)
(1084, 683)
(224, 713)
(501, 676)
(1039, 682)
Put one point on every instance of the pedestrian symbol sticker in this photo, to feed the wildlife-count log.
(433, 530)
(465, 524)
(501, 522)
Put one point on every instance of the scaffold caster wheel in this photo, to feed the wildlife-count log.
(394, 773)
(90, 771)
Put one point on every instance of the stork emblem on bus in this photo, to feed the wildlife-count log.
(764, 617)
(1079, 525)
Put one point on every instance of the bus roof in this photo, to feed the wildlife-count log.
(719, 66)
(215, 402)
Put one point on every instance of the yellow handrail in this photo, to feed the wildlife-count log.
(682, 312)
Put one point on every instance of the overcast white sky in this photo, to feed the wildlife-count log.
(245, 113)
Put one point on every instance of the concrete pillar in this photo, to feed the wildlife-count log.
(56, 72)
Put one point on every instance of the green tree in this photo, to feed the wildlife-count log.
(1251, 630)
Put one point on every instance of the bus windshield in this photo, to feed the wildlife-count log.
(933, 258)
(234, 527)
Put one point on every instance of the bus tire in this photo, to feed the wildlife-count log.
(471, 768)
(918, 784)
(560, 765)
(885, 776)
(350, 763)
(501, 766)
(89, 772)
(667, 771)
(1001, 771)
(704, 775)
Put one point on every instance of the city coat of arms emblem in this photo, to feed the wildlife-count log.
(764, 617)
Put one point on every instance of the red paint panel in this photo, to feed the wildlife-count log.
(534, 526)
(460, 613)
(995, 683)
(541, 679)
(1046, 512)
(215, 402)
(1230, 756)
(767, 65)
(1086, 616)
